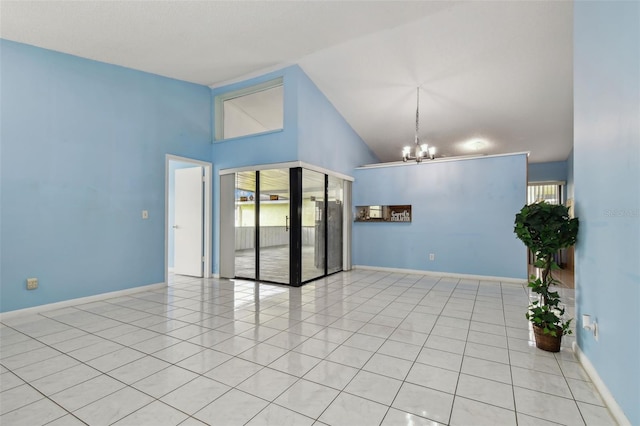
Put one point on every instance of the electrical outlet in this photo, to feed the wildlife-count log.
(32, 283)
(145, 214)
(432, 256)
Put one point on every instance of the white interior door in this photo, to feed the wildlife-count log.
(188, 226)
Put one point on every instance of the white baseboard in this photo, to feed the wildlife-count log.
(78, 301)
(606, 395)
(443, 274)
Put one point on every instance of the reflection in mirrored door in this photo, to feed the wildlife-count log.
(334, 224)
(274, 225)
(313, 225)
(245, 221)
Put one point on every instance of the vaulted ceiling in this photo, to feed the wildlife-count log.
(494, 77)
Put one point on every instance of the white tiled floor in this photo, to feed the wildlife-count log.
(357, 348)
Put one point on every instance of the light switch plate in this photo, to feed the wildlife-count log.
(145, 214)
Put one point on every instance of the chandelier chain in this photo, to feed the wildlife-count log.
(417, 113)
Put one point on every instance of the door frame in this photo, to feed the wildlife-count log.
(227, 216)
(208, 220)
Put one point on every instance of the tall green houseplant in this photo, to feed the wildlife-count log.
(546, 229)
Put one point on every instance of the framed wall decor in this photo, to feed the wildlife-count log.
(399, 213)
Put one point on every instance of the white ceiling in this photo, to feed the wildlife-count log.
(497, 71)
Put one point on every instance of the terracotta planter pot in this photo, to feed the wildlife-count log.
(547, 342)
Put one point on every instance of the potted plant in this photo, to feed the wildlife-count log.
(546, 229)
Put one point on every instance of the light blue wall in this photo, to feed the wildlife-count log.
(272, 147)
(171, 195)
(553, 170)
(570, 181)
(314, 132)
(83, 153)
(463, 212)
(607, 191)
(325, 138)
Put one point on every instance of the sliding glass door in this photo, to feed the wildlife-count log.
(274, 226)
(313, 235)
(245, 212)
(288, 225)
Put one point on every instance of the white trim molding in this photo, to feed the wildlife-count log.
(438, 160)
(443, 274)
(287, 165)
(606, 395)
(79, 301)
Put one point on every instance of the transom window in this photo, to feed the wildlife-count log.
(249, 111)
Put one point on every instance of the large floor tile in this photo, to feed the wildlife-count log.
(234, 408)
(433, 377)
(295, 363)
(263, 353)
(234, 345)
(400, 350)
(113, 407)
(18, 397)
(424, 402)
(352, 357)
(116, 359)
(348, 410)
(487, 391)
(540, 381)
(491, 353)
(388, 366)
(445, 344)
(331, 374)
(307, 398)
(436, 358)
(595, 415)
(8, 380)
(138, 369)
(396, 417)
(234, 371)
(178, 352)
(363, 341)
(267, 383)
(65, 379)
(164, 381)
(486, 369)
(315, 347)
(274, 415)
(378, 388)
(204, 361)
(87, 392)
(195, 395)
(468, 412)
(155, 413)
(37, 413)
(585, 392)
(548, 407)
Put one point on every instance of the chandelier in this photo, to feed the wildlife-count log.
(420, 151)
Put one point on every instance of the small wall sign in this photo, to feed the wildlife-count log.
(399, 213)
